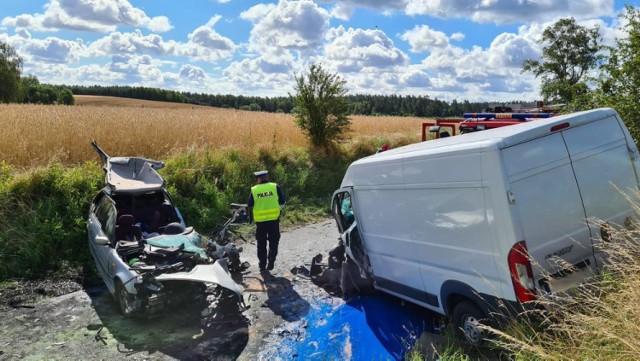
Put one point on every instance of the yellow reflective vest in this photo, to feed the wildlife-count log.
(265, 202)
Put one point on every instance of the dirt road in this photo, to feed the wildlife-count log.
(86, 324)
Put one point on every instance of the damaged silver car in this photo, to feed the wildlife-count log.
(143, 250)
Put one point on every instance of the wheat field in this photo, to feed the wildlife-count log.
(34, 135)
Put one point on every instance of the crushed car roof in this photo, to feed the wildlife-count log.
(130, 174)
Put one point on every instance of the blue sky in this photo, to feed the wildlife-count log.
(449, 49)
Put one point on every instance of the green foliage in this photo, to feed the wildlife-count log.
(569, 53)
(42, 218)
(619, 81)
(36, 93)
(10, 71)
(321, 109)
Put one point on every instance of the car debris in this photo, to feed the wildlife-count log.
(146, 255)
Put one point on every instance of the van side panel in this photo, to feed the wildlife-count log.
(435, 225)
(548, 204)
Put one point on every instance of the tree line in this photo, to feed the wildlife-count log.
(359, 104)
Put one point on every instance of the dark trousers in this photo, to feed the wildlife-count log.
(267, 231)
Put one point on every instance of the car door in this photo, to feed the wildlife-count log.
(343, 212)
(101, 222)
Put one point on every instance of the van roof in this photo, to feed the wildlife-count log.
(494, 138)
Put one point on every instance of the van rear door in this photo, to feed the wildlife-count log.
(601, 155)
(547, 201)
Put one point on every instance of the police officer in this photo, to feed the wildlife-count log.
(266, 200)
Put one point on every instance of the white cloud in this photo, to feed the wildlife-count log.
(457, 36)
(344, 8)
(422, 38)
(415, 78)
(87, 15)
(257, 12)
(486, 11)
(356, 50)
(487, 74)
(132, 43)
(192, 73)
(262, 73)
(159, 24)
(204, 43)
(510, 50)
(290, 25)
(207, 44)
(510, 11)
(54, 50)
(137, 69)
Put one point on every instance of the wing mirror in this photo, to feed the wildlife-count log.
(102, 241)
(434, 129)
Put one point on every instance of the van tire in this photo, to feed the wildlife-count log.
(467, 320)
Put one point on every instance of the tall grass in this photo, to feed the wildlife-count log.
(600, 320)
(33, 135)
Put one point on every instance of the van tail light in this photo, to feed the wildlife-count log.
(521, 272)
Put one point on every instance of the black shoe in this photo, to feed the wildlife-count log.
(270, 266)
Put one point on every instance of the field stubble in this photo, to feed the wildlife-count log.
(34, 135)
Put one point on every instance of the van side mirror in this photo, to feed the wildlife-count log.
(434, 129)
(102, 241)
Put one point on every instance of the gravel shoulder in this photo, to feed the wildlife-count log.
(63, 321)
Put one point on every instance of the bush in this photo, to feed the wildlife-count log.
(320, 107)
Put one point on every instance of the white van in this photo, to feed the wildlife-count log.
(462, 224)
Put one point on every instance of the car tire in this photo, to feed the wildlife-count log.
(123, 299)
(468, 321)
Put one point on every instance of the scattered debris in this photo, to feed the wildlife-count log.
(99, 338)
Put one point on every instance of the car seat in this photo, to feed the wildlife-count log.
(126, 228)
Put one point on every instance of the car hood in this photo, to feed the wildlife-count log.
(210, 273)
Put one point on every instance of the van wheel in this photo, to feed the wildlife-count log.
(350, 280)
(468, 321)
(124, 300)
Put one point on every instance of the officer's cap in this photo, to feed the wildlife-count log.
(260, 173)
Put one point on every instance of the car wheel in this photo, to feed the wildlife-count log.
(124, 300)
(468, 321)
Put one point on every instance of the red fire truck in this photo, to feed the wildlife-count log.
(473, 122)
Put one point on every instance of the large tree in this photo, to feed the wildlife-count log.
(619, 81)
(10, 70)
(320, 106)
(569, 52)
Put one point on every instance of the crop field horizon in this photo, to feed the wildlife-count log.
(34, 135)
